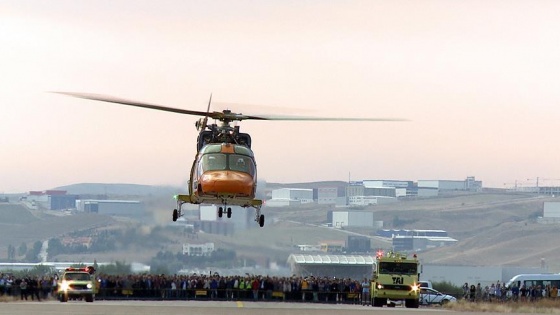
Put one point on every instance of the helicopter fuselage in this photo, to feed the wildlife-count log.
(224, 173)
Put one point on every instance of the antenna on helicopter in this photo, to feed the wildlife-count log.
(201, 123)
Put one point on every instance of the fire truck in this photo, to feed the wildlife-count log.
(77, 283)
(395, 279)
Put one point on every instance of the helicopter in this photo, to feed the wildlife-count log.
(224, 170)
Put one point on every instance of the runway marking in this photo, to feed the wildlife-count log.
(239, 304)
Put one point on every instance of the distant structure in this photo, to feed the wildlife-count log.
(338, 266)
(373, 192)
(50, 200)
(416, 240)
(354, 244)
(285, 197)
(205, 249)
(352, 218)
(329, 196)
(551, 213)
(469, 184)
(118, 208)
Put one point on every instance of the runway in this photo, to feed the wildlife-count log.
(205, 308)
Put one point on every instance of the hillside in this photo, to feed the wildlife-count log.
(492, 228)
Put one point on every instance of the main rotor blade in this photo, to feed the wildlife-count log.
(315, 118)
(222, 116)
(111, 99)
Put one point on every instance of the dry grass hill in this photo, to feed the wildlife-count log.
(492, 228)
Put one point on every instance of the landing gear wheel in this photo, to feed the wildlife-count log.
(175, 215)
(261, 220)
(229, 213)
(220, 212)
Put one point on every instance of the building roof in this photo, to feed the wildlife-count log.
(331, 259)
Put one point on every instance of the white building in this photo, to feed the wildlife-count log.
(369, 200)
(342, 219)
(205, 249)
(289, 197)
(327, 195)
(551, 210)
(468, 184)
(551, 213)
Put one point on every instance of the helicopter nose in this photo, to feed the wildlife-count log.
(230, 182)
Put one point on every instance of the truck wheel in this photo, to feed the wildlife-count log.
(378, 302)
(412, 303)
(89, 298)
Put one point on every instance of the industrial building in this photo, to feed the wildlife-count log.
(416, 240)
(285, 197)
(119, 208)
(551, 213)
(340, 266)
(352, 218)
(51, 200)
(372, 192)
(205, 249)
(209, 221)
(469, 184)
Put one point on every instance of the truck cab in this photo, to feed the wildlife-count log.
(77, 283)
(395, 278)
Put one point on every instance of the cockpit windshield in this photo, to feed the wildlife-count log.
(234, 162)
(213, 162)
(241, 163)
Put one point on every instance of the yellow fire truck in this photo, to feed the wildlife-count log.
(77, 283)
(395, 278)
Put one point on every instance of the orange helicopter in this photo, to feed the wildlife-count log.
(224, 171)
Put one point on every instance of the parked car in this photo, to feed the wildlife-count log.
(430, 296)
(425, 284)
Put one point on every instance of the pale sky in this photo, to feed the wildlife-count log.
(478, 80)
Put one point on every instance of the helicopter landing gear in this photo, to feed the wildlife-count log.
(177, 212)
(259, 217)
(221, 211)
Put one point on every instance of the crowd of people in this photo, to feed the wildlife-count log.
(497, 292)
(246, 287)
(216, 287)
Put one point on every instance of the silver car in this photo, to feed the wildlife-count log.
(430, 296)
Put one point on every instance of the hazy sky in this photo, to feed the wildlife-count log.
(479, 81)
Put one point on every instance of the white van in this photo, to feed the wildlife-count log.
(528, 280)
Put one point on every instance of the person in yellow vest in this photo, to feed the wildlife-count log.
(241, 292)
(304, 288)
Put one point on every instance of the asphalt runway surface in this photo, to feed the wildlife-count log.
(205, 308)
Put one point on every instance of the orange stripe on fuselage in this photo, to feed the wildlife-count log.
(227, 182)
(227, 148)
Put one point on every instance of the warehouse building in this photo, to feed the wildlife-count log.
(338, 266)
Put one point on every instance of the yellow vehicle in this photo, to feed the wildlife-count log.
(77, 283)
(395, 278)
